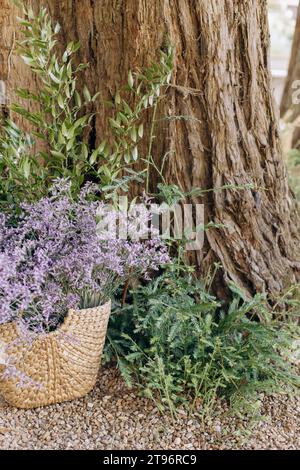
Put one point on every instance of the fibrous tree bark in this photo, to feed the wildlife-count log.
(290, 108)
(222, 83)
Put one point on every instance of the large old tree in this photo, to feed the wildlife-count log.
(221, 79)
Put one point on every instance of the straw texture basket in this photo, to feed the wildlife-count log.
(65, 362)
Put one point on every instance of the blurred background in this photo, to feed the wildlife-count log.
(282, 18)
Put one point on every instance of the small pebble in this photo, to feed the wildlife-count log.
(112, 417)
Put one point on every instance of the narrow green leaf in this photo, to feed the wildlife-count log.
(94, 156)
(135, 154)
(86, 94)
(133, 134)
(77, 99)
(141, 131)
(57, 154)
(130, 79)
(117, 98)
(60, 101)
(54, 78)
(96, 96)
(57, 28)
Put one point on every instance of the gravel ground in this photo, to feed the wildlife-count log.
(112, 417)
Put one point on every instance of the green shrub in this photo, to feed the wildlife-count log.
(60, 116)
(177, 344)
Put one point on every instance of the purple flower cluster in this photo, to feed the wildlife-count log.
(54, 255)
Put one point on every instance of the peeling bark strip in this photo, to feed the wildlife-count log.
(293, 75)
(222, 83)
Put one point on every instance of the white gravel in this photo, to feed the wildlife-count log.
(113, 417)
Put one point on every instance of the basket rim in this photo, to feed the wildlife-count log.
(65, 321)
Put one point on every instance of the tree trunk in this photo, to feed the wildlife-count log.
(222, 82)
(287, 104)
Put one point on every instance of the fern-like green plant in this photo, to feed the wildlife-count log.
(180, 346)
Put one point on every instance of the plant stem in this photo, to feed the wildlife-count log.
(151, 145)
(125, 290)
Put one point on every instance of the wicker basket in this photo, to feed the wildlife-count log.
(65, 362)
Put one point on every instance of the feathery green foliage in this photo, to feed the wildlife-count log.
(180, 346)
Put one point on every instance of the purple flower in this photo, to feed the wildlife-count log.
(54, 254)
